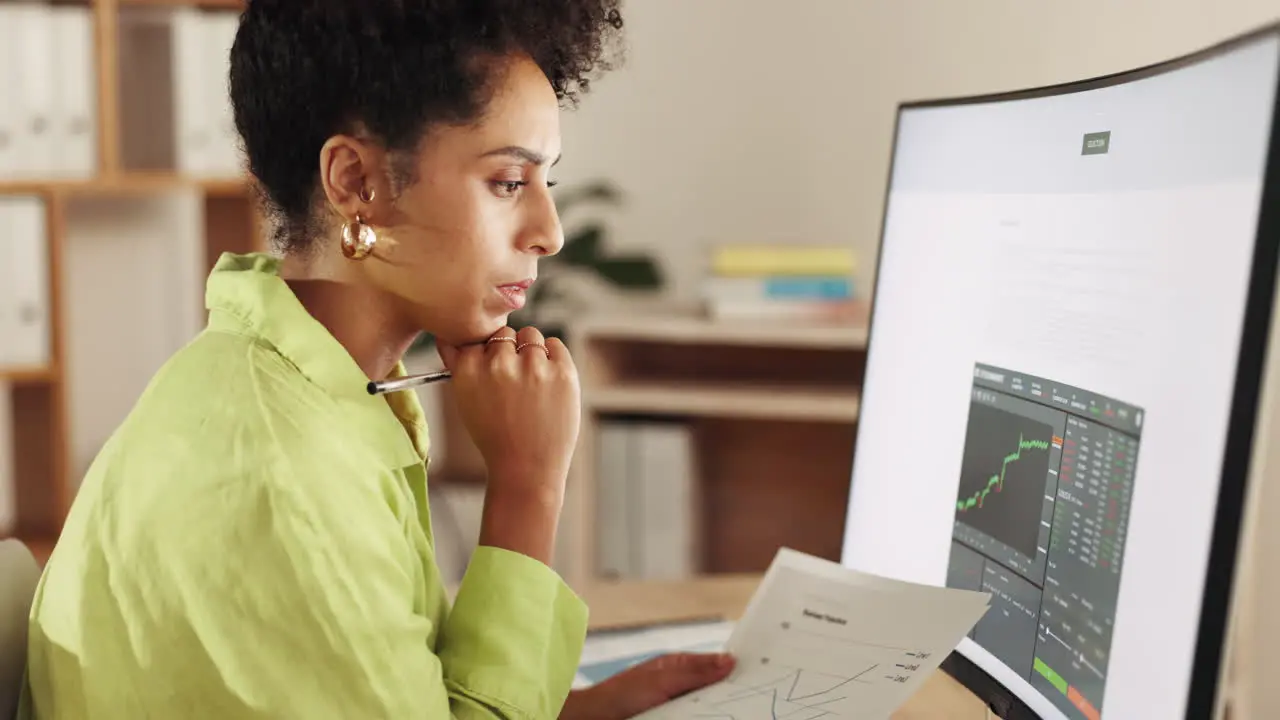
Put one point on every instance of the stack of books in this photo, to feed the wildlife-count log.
(781, 282)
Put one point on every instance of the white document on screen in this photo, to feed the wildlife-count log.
(819, 640)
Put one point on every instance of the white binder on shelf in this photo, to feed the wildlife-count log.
(10, 67)
(612, 490)
(34, 96)
(207, 143)
(667, 501)
(9, 331)
(193, 115)
(219, 34)
(24, 283)
(75, 109)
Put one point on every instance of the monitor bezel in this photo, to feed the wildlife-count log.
(1221, 571)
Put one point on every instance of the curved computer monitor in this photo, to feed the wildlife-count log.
(1068, 331)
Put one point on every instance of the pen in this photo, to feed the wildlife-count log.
(377, 387)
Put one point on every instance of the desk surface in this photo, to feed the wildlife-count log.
(625, 604)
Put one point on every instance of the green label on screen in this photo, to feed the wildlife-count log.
(1097, 143)
(1057, 680)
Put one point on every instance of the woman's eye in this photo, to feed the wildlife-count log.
(508, 188)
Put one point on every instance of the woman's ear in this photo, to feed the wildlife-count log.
(353, 174)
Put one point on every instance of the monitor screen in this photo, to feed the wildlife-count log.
(1058, 320)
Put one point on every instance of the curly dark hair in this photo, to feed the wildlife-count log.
(304, 70)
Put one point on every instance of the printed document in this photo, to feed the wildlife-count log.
(819, 640)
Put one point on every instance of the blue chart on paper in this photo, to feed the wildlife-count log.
(596, 672)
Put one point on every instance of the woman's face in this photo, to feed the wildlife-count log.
(459, 248)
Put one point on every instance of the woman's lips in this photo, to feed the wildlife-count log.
(514, 293)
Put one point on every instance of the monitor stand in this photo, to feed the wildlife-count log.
(989, 695)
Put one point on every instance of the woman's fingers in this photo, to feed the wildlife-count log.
(501, 342)
(680, 672)
(558, 353)
(529, 341)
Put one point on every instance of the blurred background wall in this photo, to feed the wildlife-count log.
(739, 120)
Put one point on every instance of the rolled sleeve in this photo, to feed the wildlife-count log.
(514, 636)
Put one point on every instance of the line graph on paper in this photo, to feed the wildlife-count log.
(809, 666)
(780, 692)
(831, 644)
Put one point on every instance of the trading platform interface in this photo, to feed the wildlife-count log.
(1046, 482)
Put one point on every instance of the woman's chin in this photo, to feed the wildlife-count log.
(476, 332)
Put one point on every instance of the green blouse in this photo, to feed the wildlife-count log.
(254, 541)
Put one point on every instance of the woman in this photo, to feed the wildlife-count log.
(254, 540)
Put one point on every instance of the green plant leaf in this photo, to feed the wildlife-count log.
(582, 247)
(632, 272)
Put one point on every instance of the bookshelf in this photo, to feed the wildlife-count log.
(770, 409)
(120, 183)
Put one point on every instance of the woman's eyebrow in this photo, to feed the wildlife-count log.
(522, 153)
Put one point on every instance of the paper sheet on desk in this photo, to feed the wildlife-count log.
(819, 640)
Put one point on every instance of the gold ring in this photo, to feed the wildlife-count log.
(503, 338)
(525, 345)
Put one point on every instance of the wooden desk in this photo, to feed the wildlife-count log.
(633, 604)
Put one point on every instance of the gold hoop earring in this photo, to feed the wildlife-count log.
(358, 239)
(367, 195)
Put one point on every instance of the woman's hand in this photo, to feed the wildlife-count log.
(520, 400)
(646, 686)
